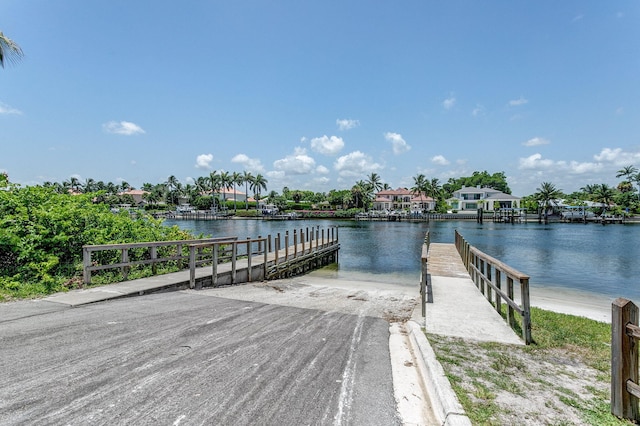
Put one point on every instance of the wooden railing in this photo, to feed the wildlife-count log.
(426, 290)
(276, 257)
(489, 275)
(293, 254)
(253, 247)
(625, 333)
(150, 256)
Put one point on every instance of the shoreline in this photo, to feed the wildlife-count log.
(556, 299)
(573, 302)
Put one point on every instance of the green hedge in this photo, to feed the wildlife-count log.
(42, 234)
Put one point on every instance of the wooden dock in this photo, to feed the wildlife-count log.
(459, 309)
(218, 261)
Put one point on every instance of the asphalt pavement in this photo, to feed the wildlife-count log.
(182, 358)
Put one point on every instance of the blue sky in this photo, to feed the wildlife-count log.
(319, 94)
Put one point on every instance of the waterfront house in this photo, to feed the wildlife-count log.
(473, 198)
(136, 194)
(402, 199)
(226, 194)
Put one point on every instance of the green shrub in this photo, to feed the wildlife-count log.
(42, 234)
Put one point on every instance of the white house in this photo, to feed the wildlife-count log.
(473, 198)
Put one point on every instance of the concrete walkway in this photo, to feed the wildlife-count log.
(459, 309)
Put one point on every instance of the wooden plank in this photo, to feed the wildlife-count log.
(624, 359)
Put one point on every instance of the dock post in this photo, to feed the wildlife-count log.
(264, 276)
(234, 255)
(192, 267)
(124, 258)
(286, 246)
(249, 254)
(153, 254)
(86, 261)
(295, 243)
(526, 311)
(498, 283)
(624, 359)
(214, 264)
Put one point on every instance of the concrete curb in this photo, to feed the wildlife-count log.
(444, 400)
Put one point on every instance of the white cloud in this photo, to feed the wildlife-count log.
(347, 124)
(6, 109)
(577, 18)
(617, 157)
(536, 142)
(275, 175)
(449, 103)
(399, 144)
(322, 170)
(518, 102)
(203, 161)
(298, 163)
(321, 180)
(536, 162)
(122, 128)
(440, 160)
(327, 145)
(478, 111)
(249, 164)
(355, 164)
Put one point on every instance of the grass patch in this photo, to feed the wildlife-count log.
(563, 378)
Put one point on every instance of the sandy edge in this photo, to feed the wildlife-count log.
(573, 302)
(557, 299)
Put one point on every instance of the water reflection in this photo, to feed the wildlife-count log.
(600, 259)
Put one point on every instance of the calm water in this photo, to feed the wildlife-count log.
(591, 258)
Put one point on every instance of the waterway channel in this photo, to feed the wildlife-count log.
(602, 261)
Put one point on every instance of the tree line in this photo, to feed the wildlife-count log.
(622, 199)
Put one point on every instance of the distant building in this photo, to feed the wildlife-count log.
(136, 194)
(473, 198)
(402, 199)
(226, 194)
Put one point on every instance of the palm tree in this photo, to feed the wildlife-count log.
(604, 194)
(225, 183)
(89, 186)
(172, 182)
(201, 185)
(636, 179)
(589, 190)
(259, 183)
(546, 193)
(73, 184)
(247, 178)
(214, 185)
(236, 179)
(627, 172)
(434, 189)
(10, 52)
(358, 193)
(374, 180)
(419, 184)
